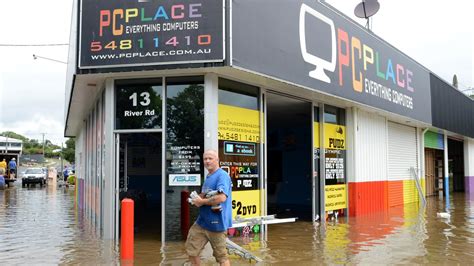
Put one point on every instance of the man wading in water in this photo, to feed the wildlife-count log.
(215, 213)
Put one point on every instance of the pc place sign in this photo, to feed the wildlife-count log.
(367, 72)
(327, 52)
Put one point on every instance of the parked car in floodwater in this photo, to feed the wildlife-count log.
(33, 176)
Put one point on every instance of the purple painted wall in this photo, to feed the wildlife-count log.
(469, 185)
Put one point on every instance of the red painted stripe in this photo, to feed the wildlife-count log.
(395, 193)
(367, 197)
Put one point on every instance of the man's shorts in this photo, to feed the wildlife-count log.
(198, 238)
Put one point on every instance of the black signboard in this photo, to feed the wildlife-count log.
(308, 43)
(240, 161)
(117, 33)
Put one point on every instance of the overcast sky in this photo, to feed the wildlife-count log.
(437, 34)
(32, 91)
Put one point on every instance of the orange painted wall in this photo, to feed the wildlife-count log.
(367, 197)
(371, 197)
(395, 193)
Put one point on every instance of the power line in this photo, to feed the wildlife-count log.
(30, 45)
(47, 58)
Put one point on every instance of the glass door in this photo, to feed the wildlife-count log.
(139, 177)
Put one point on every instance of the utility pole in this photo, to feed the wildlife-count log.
(6, 143)
(43, 148)
(62, 155)
(43, 142)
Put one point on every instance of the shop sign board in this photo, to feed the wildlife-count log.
(335, 152)
(335, 197)
(238, 148)
(118, 33)
(183, 160)
(184, 180)
(239, 135)
(307, 43)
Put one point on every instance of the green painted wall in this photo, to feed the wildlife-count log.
(434, 140)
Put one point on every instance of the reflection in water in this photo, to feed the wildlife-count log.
(41, 226)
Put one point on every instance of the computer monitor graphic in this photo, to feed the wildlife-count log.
(321, 64)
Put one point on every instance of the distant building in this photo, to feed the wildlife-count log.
(10, 145)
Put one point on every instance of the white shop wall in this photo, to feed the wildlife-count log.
(402, 151)
(371, 152)
(469, 157)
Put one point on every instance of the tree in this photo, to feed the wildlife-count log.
(11, 134)
(455, 81)
(186, 115)
(33, 146)
(69, 153)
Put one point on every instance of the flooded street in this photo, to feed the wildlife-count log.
(41, 226)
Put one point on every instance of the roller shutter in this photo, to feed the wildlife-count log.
(402, 155)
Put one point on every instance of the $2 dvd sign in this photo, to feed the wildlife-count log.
(247, 205)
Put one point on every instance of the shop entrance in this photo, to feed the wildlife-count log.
(289, 157)
(434, 171)
(140, 178)
(456, 165)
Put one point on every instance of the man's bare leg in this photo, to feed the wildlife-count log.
(195, 260)
(225, 263)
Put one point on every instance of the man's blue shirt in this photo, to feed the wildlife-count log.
(12, 165)
(217, 221)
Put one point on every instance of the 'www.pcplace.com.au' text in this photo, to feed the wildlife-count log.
(150, 54)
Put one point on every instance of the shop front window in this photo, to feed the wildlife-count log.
(335, 159)
(239, 144)
(184, 150)
(138, 104)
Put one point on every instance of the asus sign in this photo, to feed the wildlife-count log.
(184, 180)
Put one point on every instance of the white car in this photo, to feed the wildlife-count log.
(33, 176)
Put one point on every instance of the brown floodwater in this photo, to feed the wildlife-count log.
(41, 226)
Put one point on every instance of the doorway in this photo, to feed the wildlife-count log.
(140, 179)
(289, 157)
(434, 171)
(456, 164)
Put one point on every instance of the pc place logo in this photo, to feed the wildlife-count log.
(320, 63)
(366, 65)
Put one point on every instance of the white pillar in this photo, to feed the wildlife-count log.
(469, 166)
(110, 188)
(211, 101)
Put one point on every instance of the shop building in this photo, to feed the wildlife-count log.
(312, 115)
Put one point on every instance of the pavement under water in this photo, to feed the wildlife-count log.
(42, 226)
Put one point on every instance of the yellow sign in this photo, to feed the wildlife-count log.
(334, 136)
(335, 197)
(238, 124)
(246, 203)
(316, 135)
